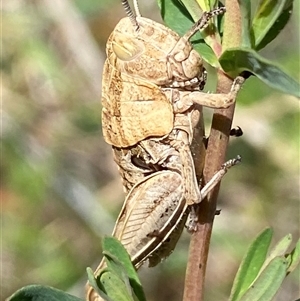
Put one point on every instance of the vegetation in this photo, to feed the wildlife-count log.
(60, 188)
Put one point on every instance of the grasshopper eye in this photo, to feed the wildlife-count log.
(126, 48)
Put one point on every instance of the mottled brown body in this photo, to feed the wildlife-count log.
(152, 116)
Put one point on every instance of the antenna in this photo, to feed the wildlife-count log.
(130, 14)
(136, 8)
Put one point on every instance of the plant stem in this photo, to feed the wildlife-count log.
(215, 157)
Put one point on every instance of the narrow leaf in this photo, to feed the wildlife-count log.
(207, 54)
(269, 19)
(93, 283)
(269, 281)
(176, 16)
(245, 7)
(294, 257)
(116, 267)
(277, 27)
(236, 60)
(114, 287)
(251, 264)
(112, 246)
(194, 8)
(206, 4)
(279, 250)
(41, 293)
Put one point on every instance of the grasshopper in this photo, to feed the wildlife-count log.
(152, 109)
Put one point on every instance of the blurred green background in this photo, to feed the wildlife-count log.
(60, 188)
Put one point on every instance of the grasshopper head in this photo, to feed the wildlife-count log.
(154, 53)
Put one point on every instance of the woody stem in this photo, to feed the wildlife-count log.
(215, 157)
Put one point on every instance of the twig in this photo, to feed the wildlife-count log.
(215, 157)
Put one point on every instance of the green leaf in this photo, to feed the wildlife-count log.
(270, 18)
(113, 249)
(93, 283)
(236, 60)
(294, 258)
(119, 280)
(176, 16)
(245, 7)
(251, 264)
(113, 286)
(194, 8)
(116, 268)
(279, 250)
(269, 281)
(207, 54)
(206, 4)
(41, 293)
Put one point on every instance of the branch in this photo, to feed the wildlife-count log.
(215, 157)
